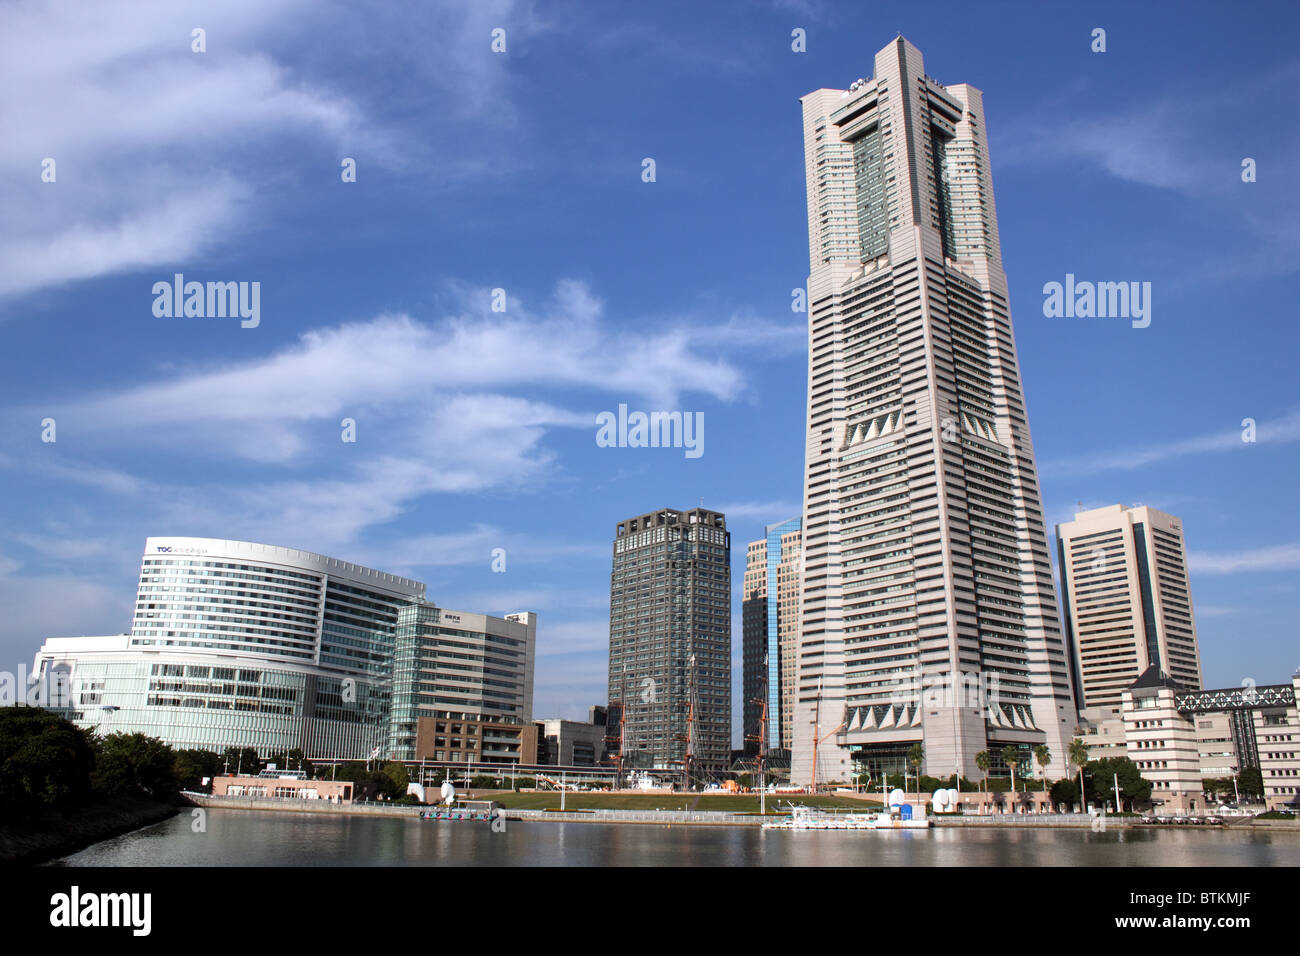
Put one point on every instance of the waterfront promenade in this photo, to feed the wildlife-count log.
(676, 817)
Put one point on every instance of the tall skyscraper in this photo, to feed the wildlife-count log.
(770, 619)
(670, 640)
(1128, 601)
(925, 550)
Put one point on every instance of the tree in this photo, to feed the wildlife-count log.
(133, 765)
(983, 761)
(1011, 757)
(915, 757)
(241, 760)
(1132, 785)
(1043, 756)
(1065, 791)
(1078, 756)
(190, 767)
(395, 780)
(44, 759)
(1251, 782)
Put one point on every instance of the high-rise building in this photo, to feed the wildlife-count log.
(237, 644)
(456, 665)
(926, 568)
(670, 641)
(1128, 601)
(770, 622)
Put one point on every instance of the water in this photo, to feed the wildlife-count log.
(244, 838)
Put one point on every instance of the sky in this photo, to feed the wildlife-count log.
(524, 171)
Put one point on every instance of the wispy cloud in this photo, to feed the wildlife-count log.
(769, 512)
(1285, 557)
(1159, 142)
(160, 151)
(567, 684)
(1280, 431)
(413, 388)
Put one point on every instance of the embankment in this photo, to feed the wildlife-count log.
(46, 835)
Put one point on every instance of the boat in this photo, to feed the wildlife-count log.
(470, 811)
(478, 816)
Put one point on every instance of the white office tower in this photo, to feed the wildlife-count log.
(925, 564)
(1128, 602)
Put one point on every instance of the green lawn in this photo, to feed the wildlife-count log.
(741, 803)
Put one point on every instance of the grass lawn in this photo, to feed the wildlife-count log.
(739, 803)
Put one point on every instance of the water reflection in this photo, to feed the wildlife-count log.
(241, 838)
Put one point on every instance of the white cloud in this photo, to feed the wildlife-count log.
(769, 512)
(160, 150)
(572, 637)
(37, 607)
(441, 377)
(1280, 431)
(1160, 143)
(566, 685)
(414, 389)
(1284, 557)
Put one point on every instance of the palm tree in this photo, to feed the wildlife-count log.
(1043, 756)
(1079, 756)
(1011, 757)
(983, 762)
(915, 756)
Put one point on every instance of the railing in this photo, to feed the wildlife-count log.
(711, 817)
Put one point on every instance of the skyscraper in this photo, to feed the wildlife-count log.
(770, 619)
(1128, 601)
(925, 550)
(670, 640)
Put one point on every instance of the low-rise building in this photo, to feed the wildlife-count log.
(286, 785)
(1162, 742)
(1179, 737)
(472, 739)
(570, 743)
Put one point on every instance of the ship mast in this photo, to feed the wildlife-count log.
(691, 729)
(817, 734)
(761, 737)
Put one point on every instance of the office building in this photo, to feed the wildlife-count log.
(236, 644)
(571, 743)
(770, 622)
(925, 561)
(1180, 736)
(459, 666)
(1127, 601)
(670, 641)
(474, 740)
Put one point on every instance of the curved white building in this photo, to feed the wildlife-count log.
(235, 644)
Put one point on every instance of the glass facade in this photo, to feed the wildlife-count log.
(237, 644)
(670, 639)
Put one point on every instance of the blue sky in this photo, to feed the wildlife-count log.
(522, 170)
